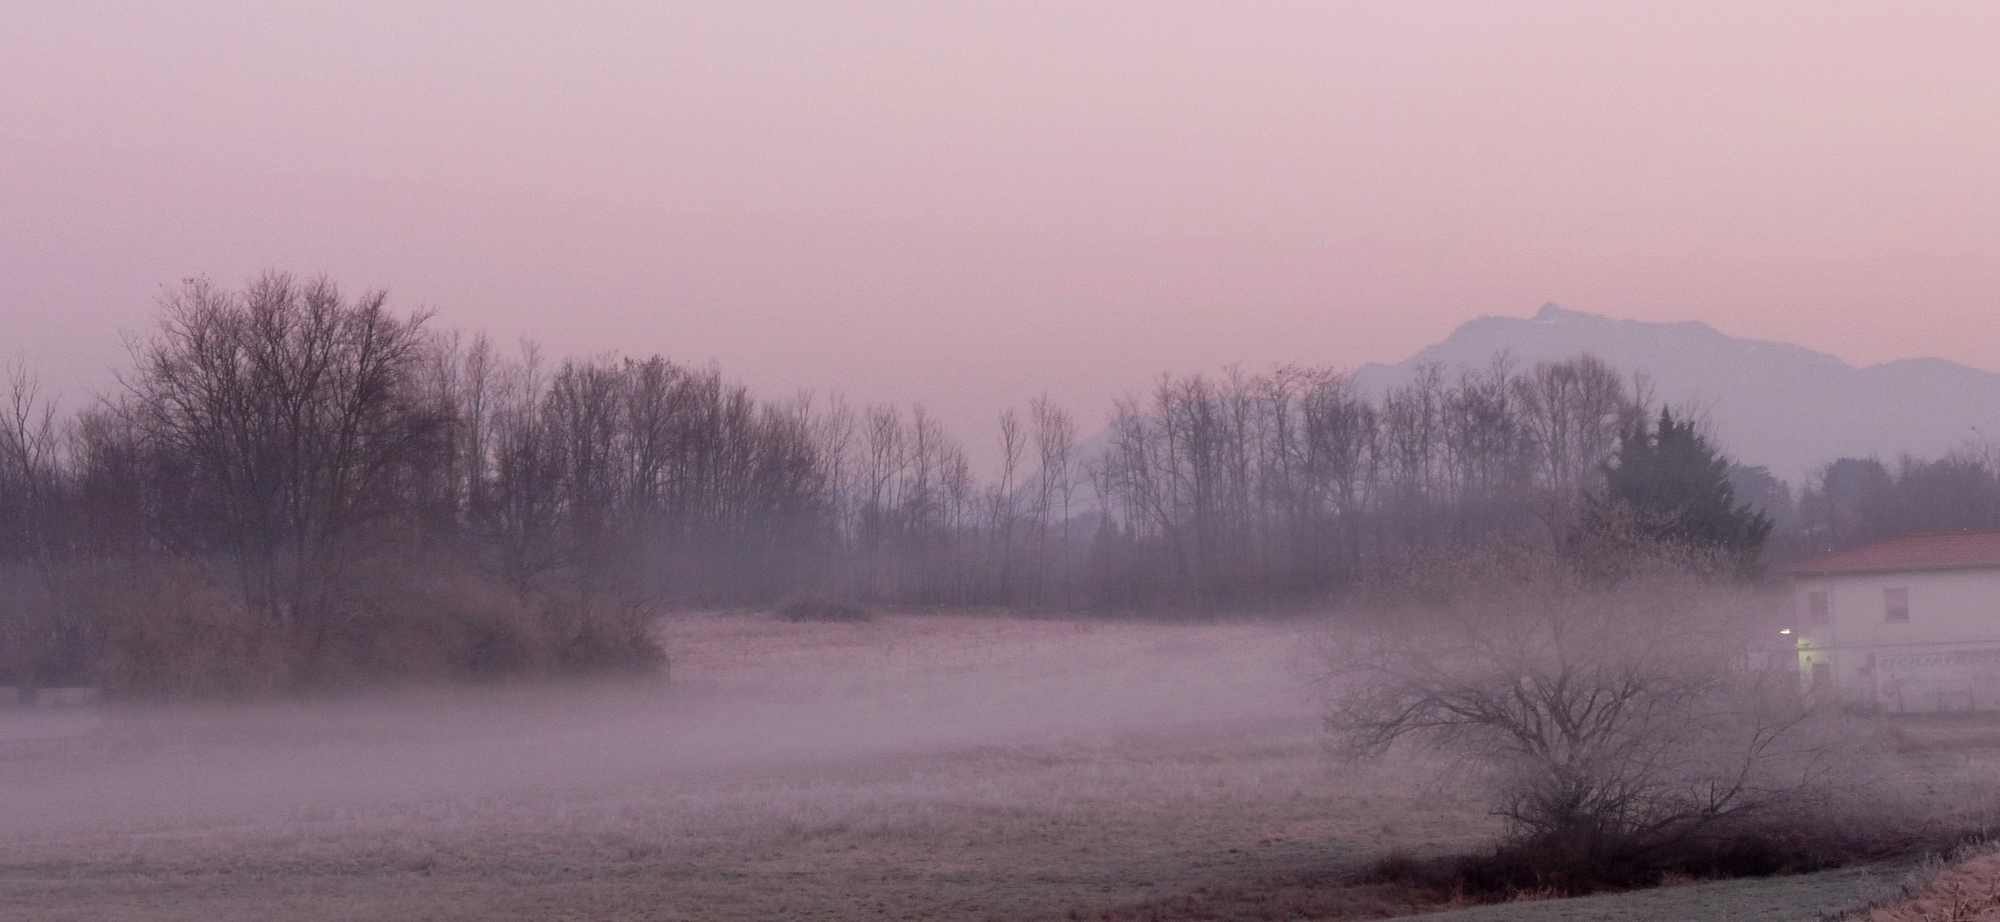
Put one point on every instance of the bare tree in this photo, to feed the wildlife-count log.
(1339, 435)
(1572, 412)
(294, 410)
(517, 509)
(35, 547)
(882, 464)
(833, 433)
(1054, 433)
(1411, 445)
(1485, 448)
(1004, 514)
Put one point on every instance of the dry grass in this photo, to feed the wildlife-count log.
(1794, 898)
(1965, 888)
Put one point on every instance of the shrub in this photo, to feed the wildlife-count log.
(169, 631)
(401, 623)
(601, 631)
(1621, 730)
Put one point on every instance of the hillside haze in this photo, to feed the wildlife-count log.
(1783, 406)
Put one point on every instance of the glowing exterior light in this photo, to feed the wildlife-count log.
(1784, 630)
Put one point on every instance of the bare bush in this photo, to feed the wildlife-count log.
(1617, 729)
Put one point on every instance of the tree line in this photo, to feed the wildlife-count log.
(1855, 500)
(293, 485)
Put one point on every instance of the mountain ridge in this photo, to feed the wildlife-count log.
(1775, 404)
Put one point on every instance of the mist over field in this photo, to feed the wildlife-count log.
(950, 766)
(747, 695)
(918, 764)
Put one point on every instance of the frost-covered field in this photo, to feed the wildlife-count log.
(917, 766)
(934, 766)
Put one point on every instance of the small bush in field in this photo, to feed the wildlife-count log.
(815, 609)
(1622, 730)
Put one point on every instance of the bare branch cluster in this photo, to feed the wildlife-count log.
(1611, 724)
(1294, 483)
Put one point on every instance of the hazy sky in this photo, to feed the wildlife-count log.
(969, 204)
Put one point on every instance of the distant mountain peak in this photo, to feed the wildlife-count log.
(1553, 312)
(1776, 404)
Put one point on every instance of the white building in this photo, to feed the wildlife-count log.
(1911, 624)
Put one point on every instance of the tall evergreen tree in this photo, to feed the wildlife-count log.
(1670, 487)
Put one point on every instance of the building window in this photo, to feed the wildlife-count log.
(1896, 604)
(1818, 610)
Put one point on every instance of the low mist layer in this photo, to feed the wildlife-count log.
(949, 765)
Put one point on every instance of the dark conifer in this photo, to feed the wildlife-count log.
(1670, 487)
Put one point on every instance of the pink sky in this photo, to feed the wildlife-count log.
(967, 205)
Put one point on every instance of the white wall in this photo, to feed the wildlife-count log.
(1946, 657)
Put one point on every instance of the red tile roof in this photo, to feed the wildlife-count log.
(1950, 550)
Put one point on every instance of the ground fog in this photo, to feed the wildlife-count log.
(913, 766)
